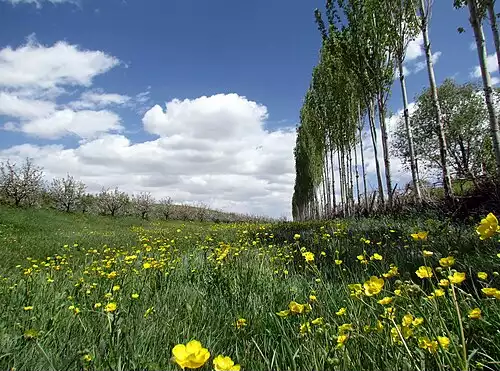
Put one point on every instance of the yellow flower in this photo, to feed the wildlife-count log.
(397, 292)
(308, 256)
(318, 321)
(447, 262)
(345, 327)
(488, 227)
(439, 292)
(424, 272)
(341, 312)
(376, 257)
(29, 307)
(386, 300)
(240, 323)
(457, 278)
(305, 328)
(296, 308)
(475, 313)
(313, 298)
(112, 275)
(482, 276)
(443, 341)
(97, 305)
(425, 343)
(373, 286)
(110, 307)
(341, 339)
(338, 262)
(116, 287)
(191, 355)
(444, 282)
(356, 289)
(407, 320)
(222, 363)
(427, 253)
(296, 237)
(420, 236)
(135, 296)
(146, 265)
(87, 358)
(490, 291)
(283, 313)
(417, 321)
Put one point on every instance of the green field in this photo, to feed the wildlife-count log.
(97, 293)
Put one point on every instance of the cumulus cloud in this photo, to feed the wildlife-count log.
(212, 149)
(415, 48)
(38, 67)
(419, 66)
(32, 76)
(24, 108)
(491, 65)
(84, 124)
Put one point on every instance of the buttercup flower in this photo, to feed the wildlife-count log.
(373, 286)
(341, 312)
(457, 278)
(424, 272)
(447, 262)
(110, 307)
(191, 355)
(222, 363)
(475, 313)
(488, 227)
(420, 236)
(482, 276)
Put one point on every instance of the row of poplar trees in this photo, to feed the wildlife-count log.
(363, 51)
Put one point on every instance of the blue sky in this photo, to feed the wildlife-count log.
(151, 52)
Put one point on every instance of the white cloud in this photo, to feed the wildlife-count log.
(419, 66)
(212, 149)
(91, 99)
(24, 108)
(415, 48)
(38, 3)
(495, 80)
(207, 117)
(491, 65)
(85, 124)
(39, 67)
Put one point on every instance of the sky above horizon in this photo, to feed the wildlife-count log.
(194, 100)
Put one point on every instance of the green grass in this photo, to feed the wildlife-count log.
(204, 277)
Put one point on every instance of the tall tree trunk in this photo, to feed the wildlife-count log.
(341, 179)
(437, 107)
(371, 119)
(365, 191)
(494, 28)
(385, 147)
(334, 197)
(409, 135)
(358, 194)
(488, 90)
(325, 189)
(351, 183)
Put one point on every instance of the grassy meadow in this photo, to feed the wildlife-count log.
(98, 293)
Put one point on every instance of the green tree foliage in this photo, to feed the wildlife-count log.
(465, 121)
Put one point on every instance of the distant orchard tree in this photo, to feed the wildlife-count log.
(67, 192)
(20, 184)
(165, 207)
(143, 203)
(110, 202)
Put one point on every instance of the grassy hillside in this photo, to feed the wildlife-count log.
(120, 294)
